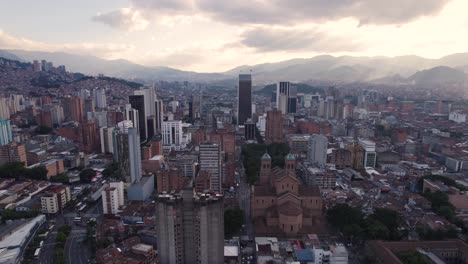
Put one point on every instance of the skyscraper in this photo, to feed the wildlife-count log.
(131, 115)
(282, 93)
(244, 106)
(317, 150)
(274, 127)
(5, 132)
(134, 155)
(249, 130)
(286, 98)
(76, 109)
(121, 151)
(138, 103)
(210, 160)
(100, 98)
(150, 97)
(159, 115)
(172, 133)
(190, 228)
(4, 109)
(107, 145)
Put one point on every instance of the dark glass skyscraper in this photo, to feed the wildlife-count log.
(138, 103)
(244, 107)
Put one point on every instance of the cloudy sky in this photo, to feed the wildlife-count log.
(217, 35)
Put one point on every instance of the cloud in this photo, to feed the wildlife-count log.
(104, 50)
(267, 39)
(126, 19)
(282, 12)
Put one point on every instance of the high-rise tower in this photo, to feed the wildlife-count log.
(244, 107)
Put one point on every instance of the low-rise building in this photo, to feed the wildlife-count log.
(55, 198)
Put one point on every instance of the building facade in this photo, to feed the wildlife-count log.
(317, 150)
(244, 95)
(190, 228)
(274, 127)
(210, 161)
(280, 204)
(5, 132)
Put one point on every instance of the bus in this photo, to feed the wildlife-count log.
(78, 205)
(81, 209)
(44, 235)
(36, 253)
(51, 227)
(42, 243)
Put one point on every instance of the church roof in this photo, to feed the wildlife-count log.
(290, 157)
(290, 209)
(266, 156)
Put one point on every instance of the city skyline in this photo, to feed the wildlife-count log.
(205, 36)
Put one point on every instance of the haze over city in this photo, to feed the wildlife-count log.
(234, 132)
(214, 36)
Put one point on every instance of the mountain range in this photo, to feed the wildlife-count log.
(402, 69)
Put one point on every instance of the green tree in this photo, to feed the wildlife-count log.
(87, 175)
(342, 215)
(61, 238)
(61, 178)
(377, 230)
(233, 221)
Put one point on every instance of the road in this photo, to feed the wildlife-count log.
(244, 201)
(46, 255)
(77, 251)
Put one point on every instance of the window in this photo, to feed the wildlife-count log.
(292, 228)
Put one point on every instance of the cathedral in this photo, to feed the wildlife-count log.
(281, 205)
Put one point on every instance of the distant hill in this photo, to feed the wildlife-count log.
(10, 56)
(115, 68)
(440, 74)
(377, 69)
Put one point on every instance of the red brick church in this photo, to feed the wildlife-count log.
(281, 205)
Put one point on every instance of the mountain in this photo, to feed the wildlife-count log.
(378, 69)
(440, 74)
(115, 68)
(7, 55)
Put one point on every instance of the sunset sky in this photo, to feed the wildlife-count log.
(217, 35)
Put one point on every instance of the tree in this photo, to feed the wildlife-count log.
(377, 230)
(61, 238)
(112, 171)
(342, 215)
(87, 175)
(62, 178)
(233, 221)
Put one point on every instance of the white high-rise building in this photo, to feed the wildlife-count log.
(150, 97)
(17, 103)
(172, 134)
(113, 197)
(6, 135)
(134, 155)
(317, 150)
(370, 156)
(100, 98)
(125, 125)
(282, 94)
(131, 114)
(107, 144)
(210, 160)
(4, 109)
